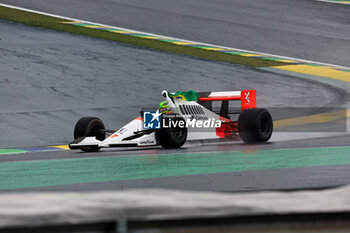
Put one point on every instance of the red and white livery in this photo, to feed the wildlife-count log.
(245, 122)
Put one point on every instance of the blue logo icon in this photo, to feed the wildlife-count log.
(151, 120)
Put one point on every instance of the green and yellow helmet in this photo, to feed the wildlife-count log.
(164, 107)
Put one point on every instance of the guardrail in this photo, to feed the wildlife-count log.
(148, 211)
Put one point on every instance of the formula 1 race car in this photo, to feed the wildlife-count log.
(192, 117)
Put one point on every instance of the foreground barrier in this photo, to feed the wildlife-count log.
(176, 211)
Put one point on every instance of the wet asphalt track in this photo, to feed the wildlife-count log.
(305, 29)
(314, 177)
(50, 79)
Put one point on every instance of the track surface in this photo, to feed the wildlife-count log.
(248, 168)
(47, 86)
(50, 79)
(305, 29)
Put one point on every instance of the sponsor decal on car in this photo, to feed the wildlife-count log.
(147, 142)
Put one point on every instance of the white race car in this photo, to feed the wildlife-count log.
(190, 119)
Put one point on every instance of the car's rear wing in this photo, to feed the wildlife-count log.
(247, 98)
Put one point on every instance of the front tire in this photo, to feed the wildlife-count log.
(173, 137)
(255, 125)
(90, 127)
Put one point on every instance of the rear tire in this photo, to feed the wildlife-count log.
(255, 125)
(173, 137)
(90, 127)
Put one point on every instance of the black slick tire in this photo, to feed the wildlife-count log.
(90, 127)
(255, 125)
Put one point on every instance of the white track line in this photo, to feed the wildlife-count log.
(329, 1)
(173, 38)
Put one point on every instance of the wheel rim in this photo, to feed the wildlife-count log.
(97, 132)
(178, 133)
(265, 126)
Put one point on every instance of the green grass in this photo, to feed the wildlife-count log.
(53, 23)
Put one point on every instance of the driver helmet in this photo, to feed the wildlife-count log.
(164, 107)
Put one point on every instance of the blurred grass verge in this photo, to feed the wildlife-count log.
(53, 23)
